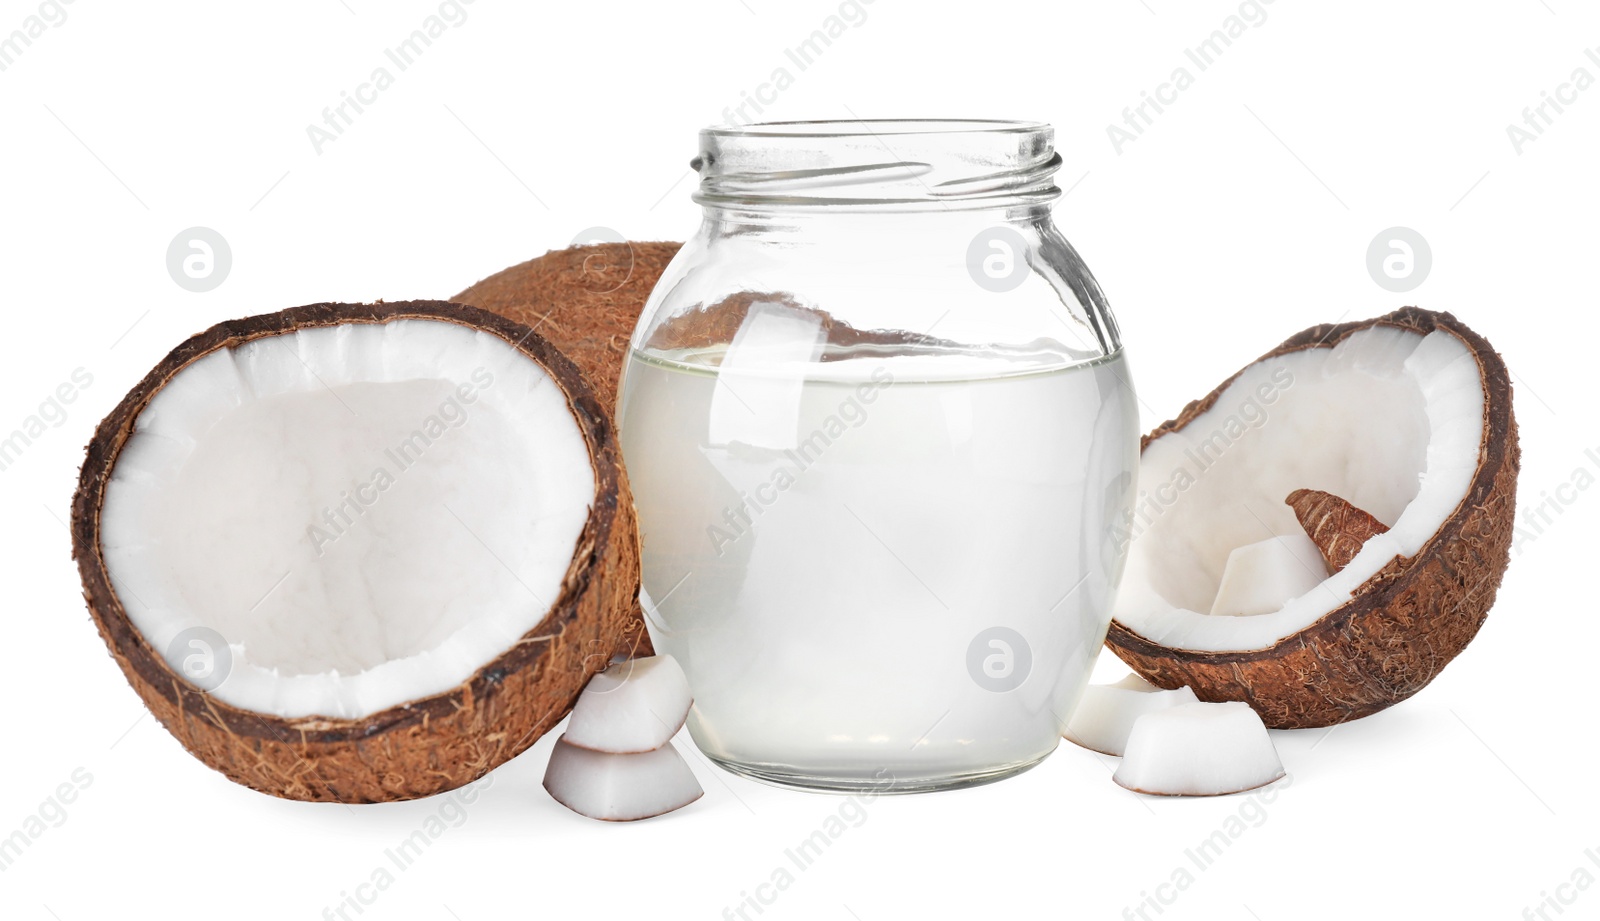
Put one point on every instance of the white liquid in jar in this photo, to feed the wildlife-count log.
(872, 577)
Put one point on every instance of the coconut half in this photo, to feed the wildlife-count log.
(358, 552)
(1407, 416)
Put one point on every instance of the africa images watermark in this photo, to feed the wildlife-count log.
(1552, 103)
(51, 14)
(1202, 455)
(338, 519)
(1539, 517)
(850, 814)
(851, 413)
(1251, 814)
(848, 15)
(50, 414)
(52, 813)
(1251, 14)
(450, 813)
(452, 14)
(1567, 893)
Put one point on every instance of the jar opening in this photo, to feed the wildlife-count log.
(877, 127)
(895, 164)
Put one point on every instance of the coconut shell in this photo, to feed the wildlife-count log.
(586, 301)
(425, 746)
(1406, 623)
(1338, 528)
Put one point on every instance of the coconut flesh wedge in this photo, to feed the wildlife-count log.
(620, 788)
(1262, 577)
(1106, 713)
(358, 552)
(633, 706)
(1199, 749)
(1407, 417)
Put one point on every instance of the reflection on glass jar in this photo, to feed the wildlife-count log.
(882, 439)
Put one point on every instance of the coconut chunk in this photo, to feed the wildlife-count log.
(1339, 529)
(633, 706)
(1262, 577)
(1199, 749)
(1106, 713)
(620, 788)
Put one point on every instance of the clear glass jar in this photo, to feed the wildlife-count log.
(881, 436)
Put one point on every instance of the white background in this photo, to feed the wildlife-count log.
(1242, 215)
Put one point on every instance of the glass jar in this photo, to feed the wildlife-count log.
(882, 440)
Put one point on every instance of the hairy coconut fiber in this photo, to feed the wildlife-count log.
(1338, 528)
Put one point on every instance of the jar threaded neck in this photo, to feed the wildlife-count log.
(886, 164)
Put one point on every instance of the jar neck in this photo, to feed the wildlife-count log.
(794, 168)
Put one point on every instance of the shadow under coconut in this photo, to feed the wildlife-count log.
(510, 801)
(1382, 737)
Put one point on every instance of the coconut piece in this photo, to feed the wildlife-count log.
(1199, 749)
(585, 300)
(1106, 712)
(1408, 416)
(1264, 576)
(620, 788)
(316, 507)
(633, 706)
(1338, 528)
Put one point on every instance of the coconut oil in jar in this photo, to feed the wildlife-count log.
(883, 545)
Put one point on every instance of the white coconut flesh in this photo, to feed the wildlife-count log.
(1261, 577)
(633, 706)
(366, 514)
(1199, 749)
(1389, 419)
(1105, 714)
(620, 788)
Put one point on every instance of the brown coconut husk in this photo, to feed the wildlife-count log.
(425, 746)
(1406, 623)
(1338, 528)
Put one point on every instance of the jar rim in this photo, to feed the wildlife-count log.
(873, 127)
(882, 164)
